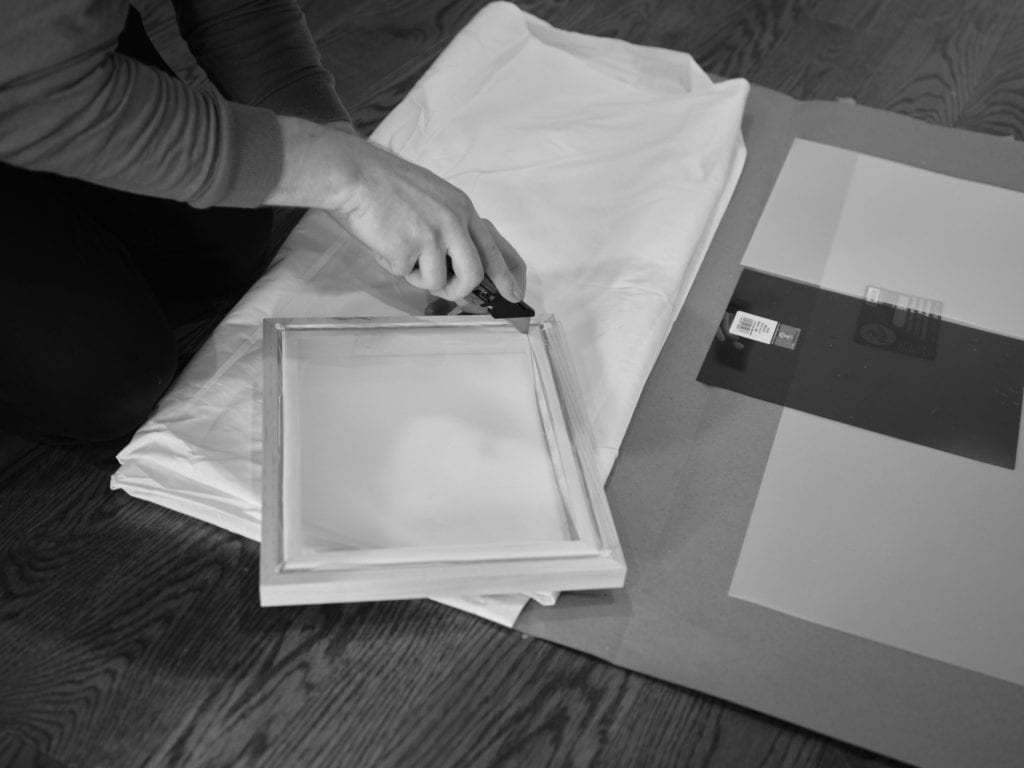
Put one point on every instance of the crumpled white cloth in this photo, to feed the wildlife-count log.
(607, 164)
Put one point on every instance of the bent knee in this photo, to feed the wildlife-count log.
(106, 399)
(114, 401)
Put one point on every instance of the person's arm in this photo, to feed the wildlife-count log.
(71, 105)
(261, 52)
(416, 224)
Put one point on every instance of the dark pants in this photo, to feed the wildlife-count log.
(92, 285)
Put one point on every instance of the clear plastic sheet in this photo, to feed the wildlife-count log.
(442, 447)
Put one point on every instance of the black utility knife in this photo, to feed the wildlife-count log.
(518, 313)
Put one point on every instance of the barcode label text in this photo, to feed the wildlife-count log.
(753, 327)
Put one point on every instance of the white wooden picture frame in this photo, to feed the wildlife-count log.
(426, 457)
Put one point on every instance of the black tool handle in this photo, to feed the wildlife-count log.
(497, 305)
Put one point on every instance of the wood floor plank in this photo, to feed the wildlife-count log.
(733, 40)
(826, 74)
(937, 63)
(996, 102)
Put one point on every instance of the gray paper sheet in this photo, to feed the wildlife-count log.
(686, 480)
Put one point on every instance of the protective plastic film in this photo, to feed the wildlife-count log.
(433, 446)
(885, 362)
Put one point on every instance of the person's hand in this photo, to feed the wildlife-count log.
(417, 225)
(422, 228)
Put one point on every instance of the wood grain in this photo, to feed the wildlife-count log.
(132, 636)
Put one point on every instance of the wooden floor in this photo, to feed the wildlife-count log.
(130, 635)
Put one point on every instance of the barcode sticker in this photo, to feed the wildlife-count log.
(753, 327)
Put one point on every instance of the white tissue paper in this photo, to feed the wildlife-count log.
(608, 165)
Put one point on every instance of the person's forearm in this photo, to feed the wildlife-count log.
(318, 168)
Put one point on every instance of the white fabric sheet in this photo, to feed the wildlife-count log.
(608, 165)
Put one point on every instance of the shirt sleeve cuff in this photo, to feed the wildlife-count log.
(253, 159)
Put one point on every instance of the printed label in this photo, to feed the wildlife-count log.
(899, 322)
(753, 327)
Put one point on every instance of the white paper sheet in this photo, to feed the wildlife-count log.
(607, 164)
(878, 537)
(844, 221)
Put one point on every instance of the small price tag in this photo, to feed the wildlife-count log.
(753, 327)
